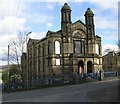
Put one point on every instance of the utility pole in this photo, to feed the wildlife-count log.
(8, 69)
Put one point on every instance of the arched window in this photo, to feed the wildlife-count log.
(57, 47)
(97, 49)
(97, 61)
(39, 51)
(49, 48)
(57, 61)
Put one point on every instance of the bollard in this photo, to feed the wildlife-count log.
(116, 74)
(100, 76)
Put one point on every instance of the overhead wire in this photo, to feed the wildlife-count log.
(17, 9)
(8, 8)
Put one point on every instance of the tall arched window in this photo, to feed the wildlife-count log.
(57, 47)
(57, 61)
(49, 48)
(97, 49)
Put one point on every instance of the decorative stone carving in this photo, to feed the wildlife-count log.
(78, 35)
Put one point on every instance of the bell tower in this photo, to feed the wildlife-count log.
(89, 21)
(66, 37)
(66, 19)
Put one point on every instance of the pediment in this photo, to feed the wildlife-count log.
(29, 42)
(79, 22)
(79, 25)
(32, 41)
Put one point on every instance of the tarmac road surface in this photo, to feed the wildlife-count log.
(100, 91)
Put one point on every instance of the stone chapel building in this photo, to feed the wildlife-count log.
(75, 49)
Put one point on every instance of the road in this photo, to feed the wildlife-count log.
(100, 91)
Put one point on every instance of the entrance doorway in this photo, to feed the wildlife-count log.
(89, 67)
(80, 67)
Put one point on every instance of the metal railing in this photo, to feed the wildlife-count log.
(110, 74)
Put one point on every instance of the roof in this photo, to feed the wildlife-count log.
(66, 7)
(89, 12)
(34, 40)
(98, 36)
(80, 22)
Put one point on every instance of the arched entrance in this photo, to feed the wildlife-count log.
(80, 67)
(89, 67)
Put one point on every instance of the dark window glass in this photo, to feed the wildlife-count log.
(49, 48)
(78, 47)
(88, 20)
(39, 51)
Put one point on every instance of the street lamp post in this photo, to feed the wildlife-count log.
(27, 38)
(26, 52)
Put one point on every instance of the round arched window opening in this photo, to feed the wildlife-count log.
(57, 47)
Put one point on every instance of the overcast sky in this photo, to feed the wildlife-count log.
(40, 16)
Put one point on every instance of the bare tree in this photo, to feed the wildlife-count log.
(17, 47)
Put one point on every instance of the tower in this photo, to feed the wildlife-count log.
(66, 37)
(89, 21)
(66, 19)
